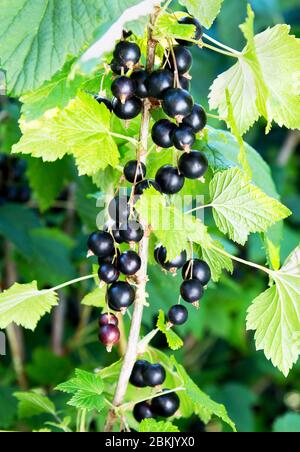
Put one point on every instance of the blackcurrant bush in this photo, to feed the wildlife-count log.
(127, 53)
(184, 138)
(108, 273)
(184, 83)
(101, 244)
(123, 88)
(193, 165)
(134, 171)
(119, 209)
(127, 110)
(159, 82)
(129, 263)
(142, 411)
(144, 185)
(177, 103)
(197, 269)
(183, 58)
(120, 296)
(108, 319)
(191, 290)
(132, 232)
(165, 405)
(160, 254)
(169, 179)
(154, 375)
(197, 120)
(137, 378)
(103, 100)
(198, 33)
(140, 78)
(118, 68)
(178, 314)
(163, 133)
(109, 335)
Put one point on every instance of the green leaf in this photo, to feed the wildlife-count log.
(204, 10)
(85, 400)
(217, 261)
(288, 423)
(240, 208)
(167, 26)
(275, 316)
(24, 305)
(32, 404)
(152, 426)
(95, 298)
(174, 341)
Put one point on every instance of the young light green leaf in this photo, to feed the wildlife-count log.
(173, 340)
(33, 404)
(24, 305)
(95, 298)
(87, 401)
(167, 26)
(275, 316)
(216, 261)
(152, 426)
(204, 10)
(240, 208)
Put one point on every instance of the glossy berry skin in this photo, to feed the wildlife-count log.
(154, 375)
(130, 109)
(142, 411)
(184, 138)
(163, 133)
(197, 269)
(184, 83)
(177, 103)
(132, 232)
(103, 100)
(120, 296)
(184, 60)
(119, 209)
(178, 314)
(140, 79)
(159, 82)
(165, 405)
(137, 378)
(160, 255)
(129, 263)
(109, 335)
(108, 273)
(117, 68)
(123, 88)
(197, 120)
(135, 171)
(145, 185)
(101, 244)
(169, 179)
(191, 290)
(108, 319)
(193, 165)
(127, 53)
(198, 34)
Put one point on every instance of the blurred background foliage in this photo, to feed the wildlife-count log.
(47, 241)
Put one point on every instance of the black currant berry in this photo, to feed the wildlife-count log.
(198, 33)
(184, 138)
(108, 319)
(178, 314)
(129, 263)
(163, 133)
(111, 259)
(134, 171)
(101, 244)
(132, 232)
(165, 405)
(127, 53)
(193, 165)
(184, 60)
(177, 103)
(160, 254)
(197, 120)
(117, 68)
(140, 78)
(103, 100)
(191, 290)
(154, 375)
(120, 296)
(169, 179)
(113, 229)
(108, 273)
(137, 378)
(197, 269)
(123, 88)
(109, 335)
(127, 110)
(159, 82)
(142, 411)
(145, 185)
(119, 209)
(184, 83)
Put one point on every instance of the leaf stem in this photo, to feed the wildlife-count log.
(197, 208)
(124, 137)
(69, 283)
(222, 52)
(223, 46)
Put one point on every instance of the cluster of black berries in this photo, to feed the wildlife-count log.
(13, 186)
(145, 374)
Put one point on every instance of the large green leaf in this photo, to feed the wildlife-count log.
(33, 404)
(204, 10)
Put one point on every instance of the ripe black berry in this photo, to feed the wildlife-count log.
(117, 68)
(184, 138)
(198, 33)
(144, 185)
(132, 232)
(165, 405)
(120, 296)
(127, 53)
(178, 314)
(119, 209)
(177, 103)
(142, 411)
(108, 273)
(109, 335)
(184, 60)
(197, 269)
(134, 171)
(137, 378)
(169, 179)
(129, 263)
(127, 110)
(158, 82)
(101, 244)
(103, 100)
(123, 88)
(154, 375)
(108, 319)
(191, 290)
(197, 120)
(140, 79)
(193, 165)
(163, 133)
(160, 255)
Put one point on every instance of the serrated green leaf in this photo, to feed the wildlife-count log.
(216, 261)
(240, 208)
(32, 404)
(204, 10)
(87, 401)
(152, 426)
(24, 305)
(97, 298)
(174, 341)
